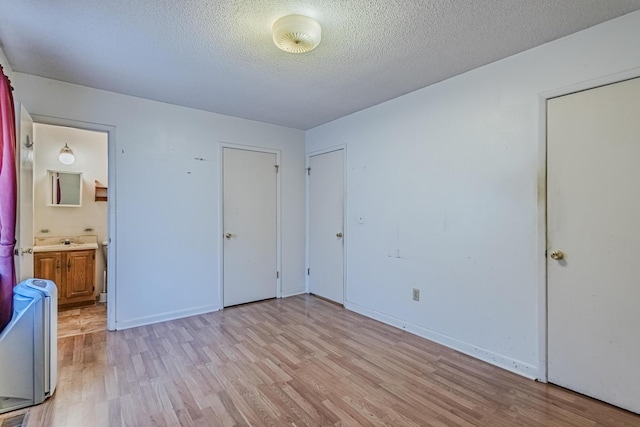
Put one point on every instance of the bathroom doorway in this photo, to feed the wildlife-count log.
(79, 267)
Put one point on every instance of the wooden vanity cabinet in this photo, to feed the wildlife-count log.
(73, 272)
(48, 265)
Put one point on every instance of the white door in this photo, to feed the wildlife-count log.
(326, 225)
(249, 218)
(593, 204)
(24, 263)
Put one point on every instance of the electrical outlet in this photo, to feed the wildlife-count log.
(416, 294)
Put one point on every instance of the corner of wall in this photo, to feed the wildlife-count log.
(292, 292)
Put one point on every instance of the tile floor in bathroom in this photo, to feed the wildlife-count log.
(83, 320)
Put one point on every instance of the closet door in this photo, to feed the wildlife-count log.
(593, 211)
(326, 225)
(250, 226)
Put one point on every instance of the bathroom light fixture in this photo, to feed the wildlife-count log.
(66, 156)
(296, 33)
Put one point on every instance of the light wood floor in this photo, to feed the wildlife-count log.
(298, 361)
(84, 320)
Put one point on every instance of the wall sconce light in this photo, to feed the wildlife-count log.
(66, 156)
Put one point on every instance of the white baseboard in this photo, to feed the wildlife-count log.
(524, 369)
(179, 314)
(163, 317)
(292, 292)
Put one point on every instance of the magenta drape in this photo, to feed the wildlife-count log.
(8, 190)
(58, 191)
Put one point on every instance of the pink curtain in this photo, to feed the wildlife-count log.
(58, 192)
(8, 189)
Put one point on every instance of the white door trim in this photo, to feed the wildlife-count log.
(331, 149)
(221, 148)
(111, 202)
(21, 258)
(542, 201)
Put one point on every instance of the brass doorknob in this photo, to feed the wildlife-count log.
(557, 255)
(339, 235)
(228, 235)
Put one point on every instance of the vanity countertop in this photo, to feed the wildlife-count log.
(56, 244)
(63, 247)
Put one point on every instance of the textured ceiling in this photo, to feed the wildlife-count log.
(217, 55)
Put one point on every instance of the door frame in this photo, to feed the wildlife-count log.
(19, 262)
(244, 147)
(111, 203)
(345, 237)
(543, 97)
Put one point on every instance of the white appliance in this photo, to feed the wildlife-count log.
(29, 346)
(105, 253)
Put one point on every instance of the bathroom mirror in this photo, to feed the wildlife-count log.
(65, 189)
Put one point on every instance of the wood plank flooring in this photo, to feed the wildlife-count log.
(298, 361)
(84, 320)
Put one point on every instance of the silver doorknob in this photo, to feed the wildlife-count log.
(27, 251)
(228, 235)
(557, 255)
(339, 235)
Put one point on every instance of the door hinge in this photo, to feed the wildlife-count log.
(308, 171)
(277, 168)
(277, 274)
(308, 271)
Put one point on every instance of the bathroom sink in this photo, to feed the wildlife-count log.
(56, 244)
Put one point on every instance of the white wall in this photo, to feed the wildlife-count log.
(90, 150)
(8, 71)
(447, 180)
(166, 203)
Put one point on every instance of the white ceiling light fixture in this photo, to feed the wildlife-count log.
(296, 33)
(66, 156)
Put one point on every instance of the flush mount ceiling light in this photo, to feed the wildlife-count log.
(296, 33)
(66, 156)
